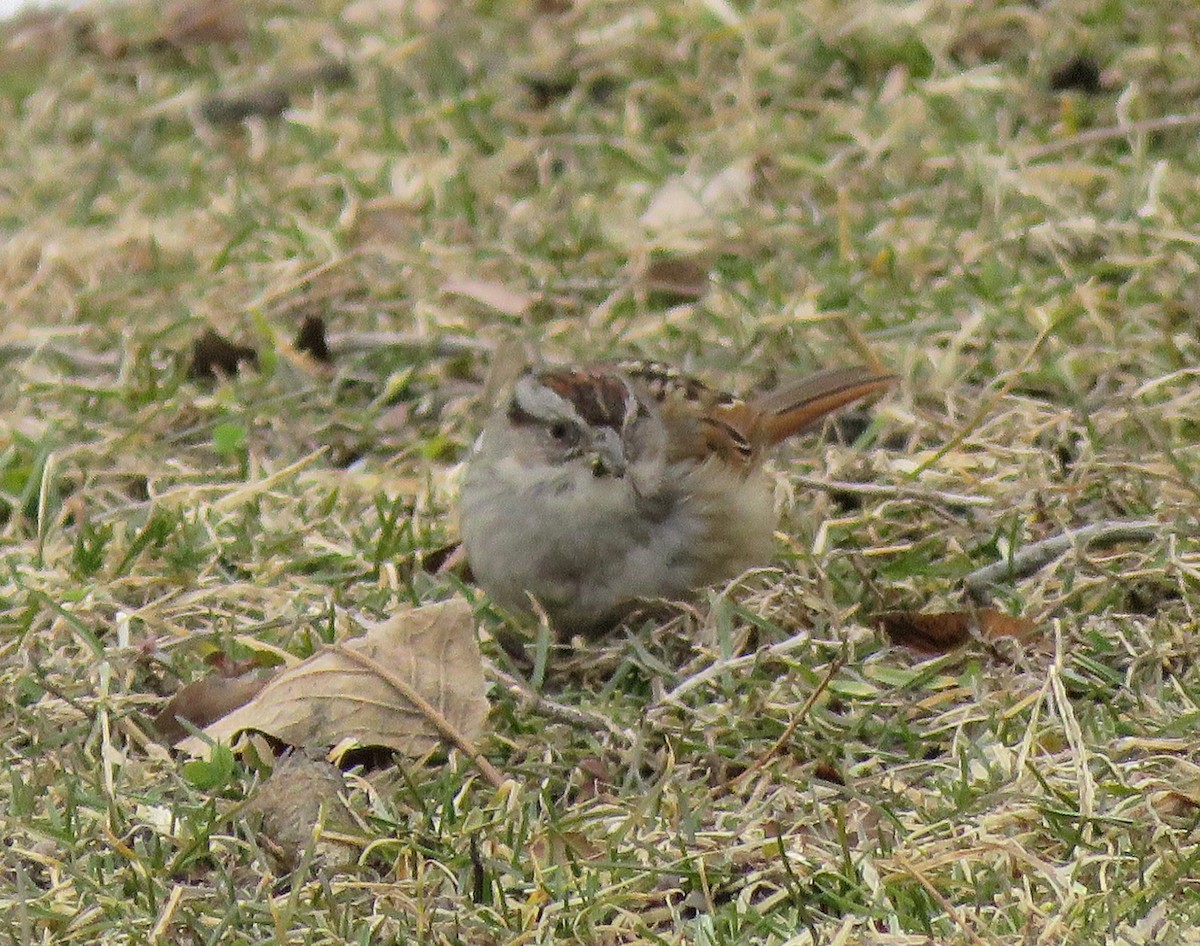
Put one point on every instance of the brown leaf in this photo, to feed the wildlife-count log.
(385, 220)
(358, 691)
(198, 22)
(230, 109)
(1175, 803)
(942, 632)
(595, 780)
(828, 772)
(203, 702)
(691, 203)
(679, 276)
(45, 32)
(1081, 73)
(311, 339)
(491, 294)
(212, 353)
(270, 99)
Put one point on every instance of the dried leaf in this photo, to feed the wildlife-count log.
(595, 780)
(356, 692)
(212, 353)
(996, 624)
(203, 702)
(1081, 74)
(270, 99)
(1173, 803)
(227, 667)
(689, 201)
(491, 294)
(45, 32)
(311, 339)
(230, 109)
(386, 220)
(198, 22)
(678, 276)
(942, 632)
(828, 772)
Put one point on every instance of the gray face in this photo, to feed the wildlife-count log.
(591, 418)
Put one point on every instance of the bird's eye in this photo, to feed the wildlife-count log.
(560, 431)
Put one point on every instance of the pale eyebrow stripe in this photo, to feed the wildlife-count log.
(539, 404)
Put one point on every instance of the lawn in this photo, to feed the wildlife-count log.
(1000, 202)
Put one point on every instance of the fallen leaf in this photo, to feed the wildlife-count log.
(203, 702)
(271, 98)
(679, 276)
(45, 32)
(942, 632)
(980, 43)
(547, 89)
(828, 772)
(198, 22)
(405, 685)
(1081, 74)
(386, 220)
(230, 109)
(689, 201)
(212, 353)
(227, 667)
(595, 779)
(311, 339)
(491, 294)
(1175, 803)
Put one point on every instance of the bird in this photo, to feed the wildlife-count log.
(598, 486)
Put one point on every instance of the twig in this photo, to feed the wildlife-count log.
(440, 346)
(1097, 135)
(571, 715)
(931, 496)
(78, 358)
(791, 727)
(942, 902)
(1035, 556)
(715, 669)
(428, 710)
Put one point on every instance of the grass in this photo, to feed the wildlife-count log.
(887, 178)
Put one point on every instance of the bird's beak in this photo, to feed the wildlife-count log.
(608, 454)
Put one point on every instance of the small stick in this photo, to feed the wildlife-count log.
(441, 345)
(942, 902)
(428, 710)
(1035, 556)
(791, 727)
(715, 669)
(78, 357)
(571, 715)
(931, 496)
(1097, 135)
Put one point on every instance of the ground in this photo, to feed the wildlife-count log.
(997, 201)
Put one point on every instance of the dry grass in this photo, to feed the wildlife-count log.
(886, 177)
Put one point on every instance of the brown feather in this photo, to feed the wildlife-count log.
(802, 404)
